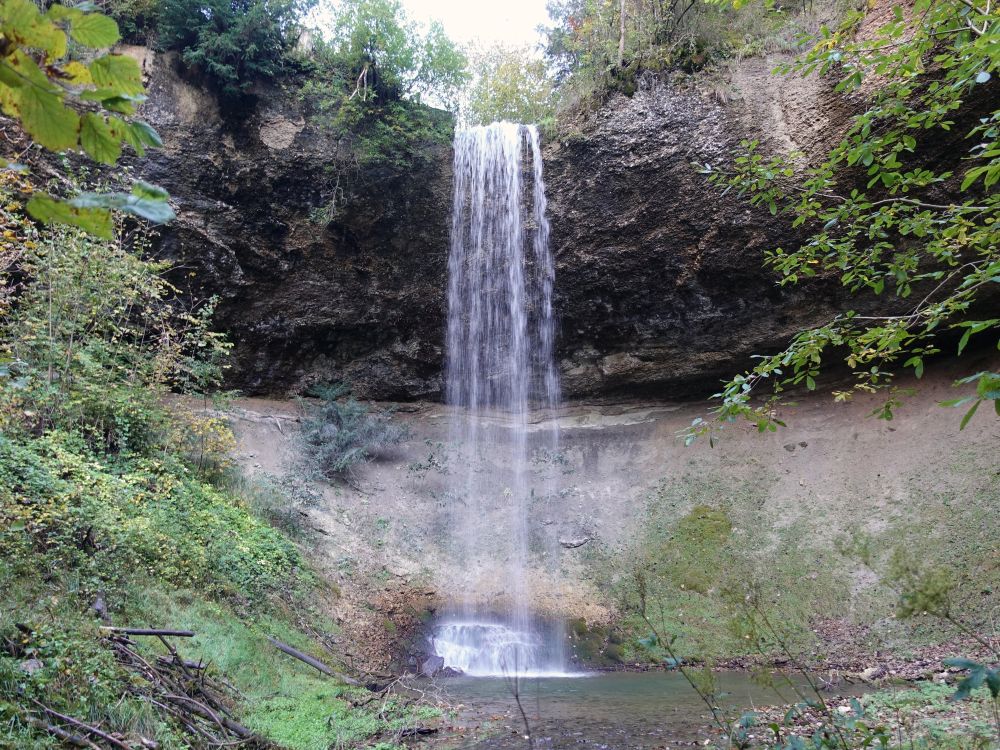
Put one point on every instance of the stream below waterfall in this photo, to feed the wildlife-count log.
(599, 710)
(615, 710)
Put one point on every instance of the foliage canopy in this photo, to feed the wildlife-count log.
(509, 83)
(382, 54)
(370, 82)
(234, 42)
(596, 46)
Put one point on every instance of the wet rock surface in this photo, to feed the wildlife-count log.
(327, 271)
(660, 281)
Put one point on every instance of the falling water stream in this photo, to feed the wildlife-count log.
(500, 367)
(502, 387)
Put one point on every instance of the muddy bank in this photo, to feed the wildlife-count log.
(625, 495)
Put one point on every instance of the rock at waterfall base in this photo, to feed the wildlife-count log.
(431, 666)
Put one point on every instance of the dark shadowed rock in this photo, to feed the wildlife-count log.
(660, 280)
(307, 295)
(431, 666)
(660, 283)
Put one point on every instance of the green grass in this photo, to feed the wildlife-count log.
(930, 718)
(279, 697)
(163, 549)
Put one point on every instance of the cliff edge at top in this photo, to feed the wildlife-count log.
(330, 270)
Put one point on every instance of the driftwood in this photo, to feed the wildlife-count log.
(311, 661)
(188, 664)
(416, 731)
(182, 690)
(68, 737)
(204, 711)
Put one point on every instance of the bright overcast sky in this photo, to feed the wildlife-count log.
(510, 21)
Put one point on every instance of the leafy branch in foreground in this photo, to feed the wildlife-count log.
(63, 104)
(880, 222)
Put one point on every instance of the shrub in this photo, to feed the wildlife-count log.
(96, 335)
(342, 434)
(136, 18)
(370, 84)
(143, 517)
(379, 53)
(232, 42)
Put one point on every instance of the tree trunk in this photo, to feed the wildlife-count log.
(621, 33)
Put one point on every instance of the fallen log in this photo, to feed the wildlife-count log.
(149, 631)
(87, 728)
(311, 661)
(67, 737)
(416, 731)
(199, 708)
(168, 661)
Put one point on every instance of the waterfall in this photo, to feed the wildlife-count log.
(500, 366)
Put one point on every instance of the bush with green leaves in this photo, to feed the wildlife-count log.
(108, 524)
(97, 334)
(232, 42)
(376, 52)
(136, 19)
(883, 218)
(340, 433)
(371, 82)
(595, 47)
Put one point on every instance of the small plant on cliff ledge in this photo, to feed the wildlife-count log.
(885, 219)
(342, 433)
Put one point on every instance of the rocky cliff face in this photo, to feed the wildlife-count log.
(660, 279)
(660, 287)
(325, 269)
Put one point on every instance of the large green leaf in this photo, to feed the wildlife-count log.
(113, 100)
(46, 119)
(143, 189)
(26, 69)
(94, 30)
(98, 140)
(139, 135)
(23, 23)
(146, 135)
(49, 210)
(119, 73)
(157, 211)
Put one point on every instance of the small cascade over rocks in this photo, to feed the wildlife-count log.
(490, 649)
(500, 366)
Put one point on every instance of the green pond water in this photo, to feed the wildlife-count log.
(605, 710)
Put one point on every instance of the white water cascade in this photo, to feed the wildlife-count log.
(500, 371)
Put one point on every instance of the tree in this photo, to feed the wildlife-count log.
(235, 42)
(443, 69)
(63, 103)
(509, 83)
(599, 37)
(883, 219)
(387, 56)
